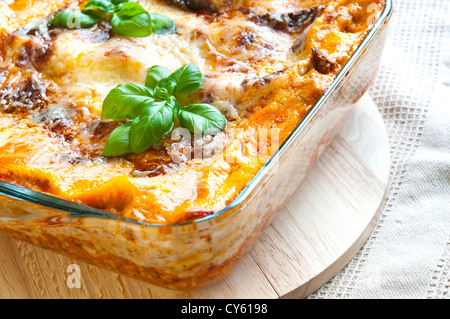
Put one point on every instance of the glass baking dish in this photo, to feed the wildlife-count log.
(203, 251)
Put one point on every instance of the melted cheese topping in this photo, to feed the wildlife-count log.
(265, 64)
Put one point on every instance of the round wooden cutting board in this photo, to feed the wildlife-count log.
(313, 237)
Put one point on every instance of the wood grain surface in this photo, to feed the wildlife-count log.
(313, 237)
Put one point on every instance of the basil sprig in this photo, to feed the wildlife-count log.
(152, 110)
(126, 18)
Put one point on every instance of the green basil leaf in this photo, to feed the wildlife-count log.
(175, 105)
(155, 74)
(73, 20)
(118, 142)
(118, 4)
(199, 118)
(189, 79)
(154, 122)
(118, 1)
(161, 93)
(132, 20)
(101, 9)
(162, 24)
(126, 101)
(168, 84)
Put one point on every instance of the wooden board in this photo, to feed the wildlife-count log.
(314, 236)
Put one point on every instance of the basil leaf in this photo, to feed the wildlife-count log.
(161, 93)
(155, 74)
(175, 105)
(118, 142)
(119, 1)
(132, 20)
(155, 121)
(119, 4)
(73, 20)
(162, 24)
(101, 9)
(167, 84)
(126, 101)
(189, 79)
(199, 118)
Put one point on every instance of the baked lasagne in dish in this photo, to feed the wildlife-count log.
(265, 63)
(259, 67)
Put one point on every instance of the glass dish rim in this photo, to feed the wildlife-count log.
(76, 210)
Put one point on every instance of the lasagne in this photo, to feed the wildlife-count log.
(265, 64)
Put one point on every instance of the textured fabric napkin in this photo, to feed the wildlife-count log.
(407, 256)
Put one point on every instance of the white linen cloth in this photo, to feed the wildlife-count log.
(407, 256)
